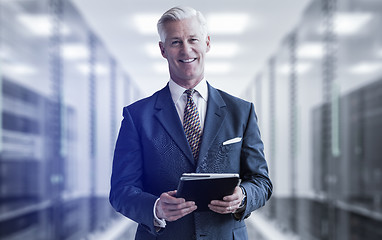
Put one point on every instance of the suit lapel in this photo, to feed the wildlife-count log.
(169, 118)
(216, 112)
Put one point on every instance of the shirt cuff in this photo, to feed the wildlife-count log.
(157, 221)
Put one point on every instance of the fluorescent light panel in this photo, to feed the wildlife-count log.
(40, 24)
(75, 51)
(366, 67)
(301, 68)
(227, 23)
(18, 69)
(100, 69)
(351, 23)
(311, 50)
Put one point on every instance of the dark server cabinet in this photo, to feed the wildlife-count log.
(372, 146)
(25, 184)
(32, 176)
(350, 184)
(361, 155)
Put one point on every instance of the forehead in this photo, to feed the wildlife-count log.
(183, 28)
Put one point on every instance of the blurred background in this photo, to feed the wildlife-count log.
(313, 69)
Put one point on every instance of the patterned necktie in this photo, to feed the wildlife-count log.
(191, 124)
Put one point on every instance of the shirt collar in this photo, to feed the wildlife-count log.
(177, 91)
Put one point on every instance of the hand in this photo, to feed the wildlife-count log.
(171, 208)
(229, 204)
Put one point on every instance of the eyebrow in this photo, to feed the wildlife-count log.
(190, 36)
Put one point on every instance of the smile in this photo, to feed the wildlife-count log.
(188, 60)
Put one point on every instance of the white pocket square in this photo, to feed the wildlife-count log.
(233, 140)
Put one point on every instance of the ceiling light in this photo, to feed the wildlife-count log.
(75, 51)
(100, 69)
(351, 23)
(40, 25)
(223, 50)
(18, 69)
(227, 23)
(218, 68)
(313, 50)
(366, 67)
(146, 23)
(301, 68)
(346, 23)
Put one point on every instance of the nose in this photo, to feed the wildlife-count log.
(186, 47)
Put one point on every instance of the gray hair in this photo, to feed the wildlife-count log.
(180, 13)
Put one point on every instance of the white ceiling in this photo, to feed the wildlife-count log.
(270, 22)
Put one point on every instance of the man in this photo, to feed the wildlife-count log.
(154, 147)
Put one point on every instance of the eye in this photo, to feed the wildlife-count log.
(175, 42)
(194, 40)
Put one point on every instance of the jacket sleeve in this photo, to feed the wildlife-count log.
(253, 167)
(126, 194)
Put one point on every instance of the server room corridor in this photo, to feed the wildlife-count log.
(312, 69)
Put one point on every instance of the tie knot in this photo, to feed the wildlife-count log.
(190, 92)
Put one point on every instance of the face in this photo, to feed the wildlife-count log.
(185, 48)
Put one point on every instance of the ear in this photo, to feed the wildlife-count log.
(162, 49)
(208, 43)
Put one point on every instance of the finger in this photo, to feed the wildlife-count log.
(220, 203)
(221, 210)
(237, 194)
(182, 212)
(167, 202)
(169, 198)
(172, 193)
(224, 207)
(179, 213)
(231, 198)
(176, 207)
(225, 203)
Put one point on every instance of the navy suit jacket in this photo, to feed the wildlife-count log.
(152, 152)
